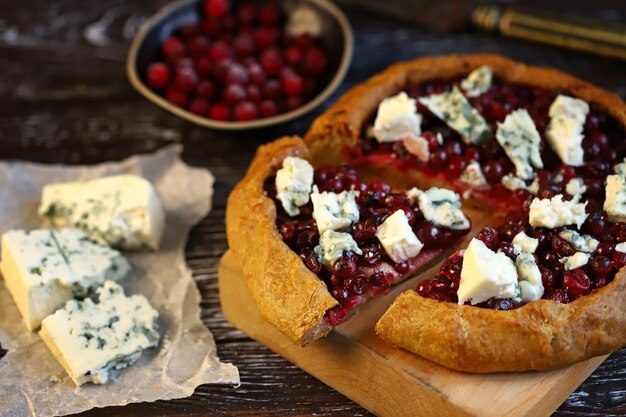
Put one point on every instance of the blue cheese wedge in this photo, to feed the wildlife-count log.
(583, 243)
(293, 184)
(333, 211)
(397, 117)
(520, 140)
(565, 130)
(615, 202)
(526, 243)
(441, 207)
(576, 187)
(454, 109)
(123, 210)
(529, 278)
(486, 274)
(577, 260)
(398, 238)
(473, 175)
(90, 339)
(45, 268)
(478, 81)
(556, 212)
(333, 245)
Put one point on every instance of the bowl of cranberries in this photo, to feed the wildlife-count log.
(236, 65)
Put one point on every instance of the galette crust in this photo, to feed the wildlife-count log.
(285, 291)
(342, 123)
(539, 336)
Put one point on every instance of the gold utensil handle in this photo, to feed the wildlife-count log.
(592, 36)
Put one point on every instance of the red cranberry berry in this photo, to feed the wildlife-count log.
(269, 15)
(203, 66)
(257, 75)
(494, 171)
(216, 8)
(173, 48)
(176, 96)
(219, 111)
(287, 230)
(237, 74)
(246, 110)
(315, 62)
(158, 75)
(243, 45)
(219, 51)
(198, 45)
(600, 266)
(357, 285)
(199, 106)
(265, 37)
(205, 89)
(311, 260)
(371, 255)
(234, 94)
(576, 282)
(272, 90)
(619, 259)
(292, 84)
(268, 108)
(272, 62)
(344, 267)
(186, 78)
(489, 236)
(547, 278)
(560, 296)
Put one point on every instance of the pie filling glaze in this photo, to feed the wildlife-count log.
(354, 278)
(604, 146)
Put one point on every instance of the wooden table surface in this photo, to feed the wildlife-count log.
(65, 99)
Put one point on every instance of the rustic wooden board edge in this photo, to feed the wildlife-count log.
(342, 362)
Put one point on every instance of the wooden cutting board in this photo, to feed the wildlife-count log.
(392, 382)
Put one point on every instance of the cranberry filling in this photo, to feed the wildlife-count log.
(603, 146)
(354, 278)
(237, 64)
(560, 285)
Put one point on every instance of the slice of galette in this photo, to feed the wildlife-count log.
(316, 242)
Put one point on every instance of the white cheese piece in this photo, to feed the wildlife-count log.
(584, 243)
(615, 202)
(525, 242)
(530, 284)
(565, 130)
(478, 81)
(520, 140)
(511, 182)
(575, 261)
(304, 20)
(333, 245)
(397, 237)
(621, 247)
(620, 169)
(123, 210)
(418, 146)
(556, 212)
(486, 274)
(454, 109)
(439, 138)
(397, 117)
(92, 338)
(293, 184)
(441, 207)
(333, 211)
(473, 175)
(576, 187)
(45, 268)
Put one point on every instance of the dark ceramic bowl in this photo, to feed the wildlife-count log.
(336, 36)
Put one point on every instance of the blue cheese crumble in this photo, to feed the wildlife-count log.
(398, 238)
(525, 242)
(441, 207)
(577, 260)
(478, 81)
(293, 184)
(333, 211)
(565, 130)
(90, 339)
(397, 117)
(520, 140)
(583, 243)
(454, 109)
(473, 175)
(556, 212)
(529, 278)
(576, 187)
(333, 245)
(615, 202)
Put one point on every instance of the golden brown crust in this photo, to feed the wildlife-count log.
(287, 294)
(541, 335)
(342, 123)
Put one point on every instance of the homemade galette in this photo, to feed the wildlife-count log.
(373, 195)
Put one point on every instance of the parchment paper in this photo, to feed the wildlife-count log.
(186, 356)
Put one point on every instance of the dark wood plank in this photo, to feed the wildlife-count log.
(65, 99)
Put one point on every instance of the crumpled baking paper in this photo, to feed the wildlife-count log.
(32, 382)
